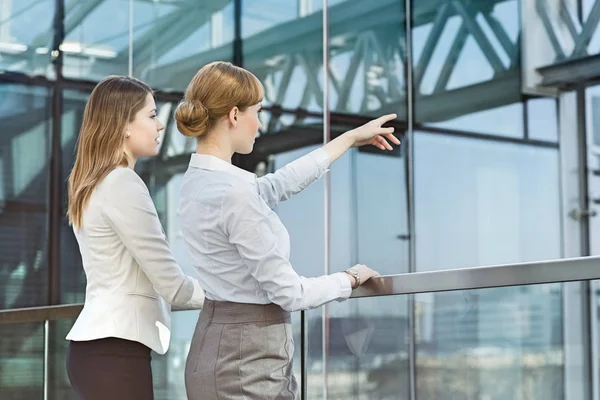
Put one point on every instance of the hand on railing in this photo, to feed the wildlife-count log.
(359, 274)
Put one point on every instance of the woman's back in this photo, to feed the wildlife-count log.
(109, 267)
(129, 268)
(212, 193)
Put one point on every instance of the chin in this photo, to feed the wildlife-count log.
(246, 150)
(152, 152)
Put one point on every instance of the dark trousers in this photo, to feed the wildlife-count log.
(111, 368)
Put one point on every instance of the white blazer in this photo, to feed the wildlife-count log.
(129, 267)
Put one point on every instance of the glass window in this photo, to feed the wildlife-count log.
(283, 46)
(466, 66)
(59, 386)
(369, 225)
(25, 153)
(26, 34)
(173, 40)
(481, 202)
(367, 58)
(503, 343)
(542, 121)
(22, 360)
(92, 48)
(303, 216)
(73, 280)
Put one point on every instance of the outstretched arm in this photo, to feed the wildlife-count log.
(297, 175)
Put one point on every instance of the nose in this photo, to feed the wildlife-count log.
(159, 126)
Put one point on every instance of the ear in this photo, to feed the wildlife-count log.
(233, 116)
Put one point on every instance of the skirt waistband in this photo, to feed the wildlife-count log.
(225, 312)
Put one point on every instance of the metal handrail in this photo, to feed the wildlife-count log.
(518, 274)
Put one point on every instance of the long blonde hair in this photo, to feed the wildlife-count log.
(114, 102)
(213, 92)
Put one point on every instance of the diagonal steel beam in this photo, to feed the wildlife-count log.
(342, 103)
(571, 22)
(541, 7)
(431, 43)
(451, 59)
(588, 31)
(500, 33)
(484, 43)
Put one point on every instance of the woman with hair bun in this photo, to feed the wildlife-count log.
(242, 346)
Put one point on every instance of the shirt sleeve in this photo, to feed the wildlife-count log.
(130, 211)
(293, 177)
(245, 220)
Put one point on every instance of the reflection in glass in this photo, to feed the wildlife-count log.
(480, 202)
(367, 56)
(368, 349)
(542, 119)
(466, 66)
(176, 39)
(494, 344)
(73, 280)
(25, 156)
(22, 361)
(59, 386)
(303, 216)
(26, 33)
(72, 275)
(93, 49)
(283, 47)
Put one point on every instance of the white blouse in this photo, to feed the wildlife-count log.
(238, 244)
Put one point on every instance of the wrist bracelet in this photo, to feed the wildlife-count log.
(356, 275)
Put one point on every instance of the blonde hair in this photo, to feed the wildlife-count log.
(212, 93)
(113, 104)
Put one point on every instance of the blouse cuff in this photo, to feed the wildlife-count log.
(197, 300)
(346, 287)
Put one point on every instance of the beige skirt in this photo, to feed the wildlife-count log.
(241, 351)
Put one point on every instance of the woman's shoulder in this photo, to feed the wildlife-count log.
(122, 182)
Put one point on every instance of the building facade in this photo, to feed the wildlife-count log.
(499, 119)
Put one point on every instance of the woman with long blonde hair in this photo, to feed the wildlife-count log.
(243, 345)
(132, 276)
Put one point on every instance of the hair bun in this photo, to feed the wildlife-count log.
(192, 118)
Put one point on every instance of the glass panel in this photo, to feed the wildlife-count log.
(492, 344)
(25, 137)
(59, 386)
(369, 217)
(26, 33)
(557, 32)
(283, 47)
(592, 113)
(368, 349)
(92, 48)
(367, 57)
(73, 280)
(303, 217)
(22, 361)
(542, 121)
(481, 202)
(168, 371)
(172, 40)
(466, 66)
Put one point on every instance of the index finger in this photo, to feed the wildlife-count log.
(385, 118)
